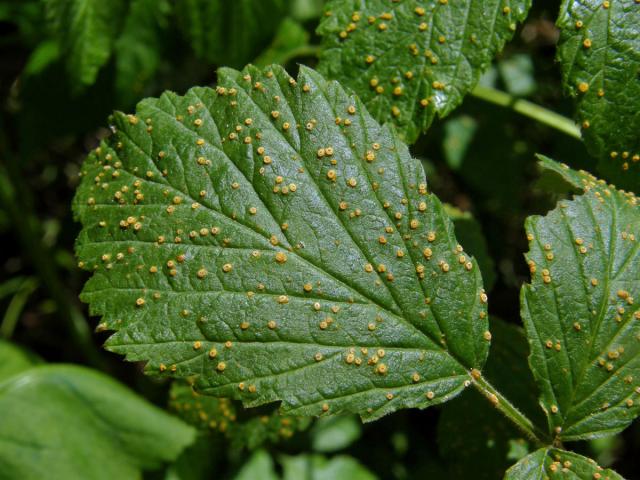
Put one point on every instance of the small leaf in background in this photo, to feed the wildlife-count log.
(230, 33)
(580, 309)
(289, 39)
(317, 467)
(458, 134)
(200, 461)
(599, 52)
(87, 31)
(412, 60)
(72, 422)
(303, 10)
(517, 74)
(554, 463)
(230, 235)
(485, 446)
(469, 233)
(335, 433)
(42, 56)
(243, 428)
(260, 466)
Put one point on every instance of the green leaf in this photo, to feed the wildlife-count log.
(86, 30)
(289, 39)
(14, 359)
(554, 463)
(599, 51)
(199, 461)
(335, 433)
(580, 309)
(260, 465)
(271, 239)
(138, 48)
(411, 60)
(243, 428)
(482, 448)
(230, 33)
(317, 467)
(72, 422)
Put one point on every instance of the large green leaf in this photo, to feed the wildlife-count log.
(63, 422)
(599, 52)
(270, 238)
(87, 31)
(554, 463)
(230, 33)
(410, 60)
(580, 309)
(317, 467)
(242, 428)
(14, 360)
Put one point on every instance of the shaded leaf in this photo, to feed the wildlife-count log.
(260, 465)
(413, 59)
(14, 359)
(247, 237)
(580, 309)
(317, 467)
(243, 428)
(335, 433)
(86, 30)
(554, 463)
(72, 422)
(599, 51)
(230, 33)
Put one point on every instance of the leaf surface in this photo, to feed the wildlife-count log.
(581, 309)
(410, 60)
(72, 422)
(554, 463)
(599, 52)
(273, 240)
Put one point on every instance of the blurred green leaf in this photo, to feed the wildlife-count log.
(230, 33)
(458, 133)
(14, 359)
(518, 75)
(303, 10)
(42, 56)
(86, 30)
(317, 467)
(335, 433)
(260, 466)
(138, 49)
(72, 422)
(198, 461)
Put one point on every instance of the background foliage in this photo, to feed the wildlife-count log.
(67, 64)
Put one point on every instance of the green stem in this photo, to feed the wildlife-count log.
(509, 410)
(528, 109)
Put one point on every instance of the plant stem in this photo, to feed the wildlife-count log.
(528, 109)
(509, 410)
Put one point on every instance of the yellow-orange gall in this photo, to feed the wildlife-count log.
(197, 345)
(271, 324)
(395, 111)
(430, 395)
(587, 43)
(281, 257)
(427, 253)
(352, 182)
(382, 26)
(307, 287)
(397, 91)
(583, 87)
(227, 267)
(506, 10)
(368, 268)
(423, 26)
(487, 335)
(579, 24)
(140, 302)
(318, 357)
(381, 369)
(370, 59)
(351, 109)
(325, 407)
(331, 174)
(283, 299)
(201, 273)
(221, 366)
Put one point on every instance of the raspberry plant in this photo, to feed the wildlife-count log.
(270, 248)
